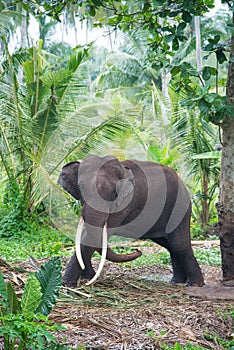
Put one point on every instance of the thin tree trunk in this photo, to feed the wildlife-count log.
(198, 42)
(75, 28)
(87, 31)
(205, 207)
(24, 29)
(226, 208)
(165, 105)
(23, 37)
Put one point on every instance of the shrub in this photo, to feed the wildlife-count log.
(24, 323)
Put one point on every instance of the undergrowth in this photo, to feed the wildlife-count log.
(43, 242)
(40, 243)
(24, 322)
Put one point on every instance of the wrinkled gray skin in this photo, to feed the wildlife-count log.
(108, 183)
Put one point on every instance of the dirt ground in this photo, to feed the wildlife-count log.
(136, 308)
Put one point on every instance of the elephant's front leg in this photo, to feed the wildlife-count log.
(74, 271)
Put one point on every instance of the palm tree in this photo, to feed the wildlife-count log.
(10, 20)
(30, 110)
(197, 140)
(52, 106)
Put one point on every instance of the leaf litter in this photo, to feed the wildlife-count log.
(136, 308)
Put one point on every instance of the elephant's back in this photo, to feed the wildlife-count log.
(159, 189)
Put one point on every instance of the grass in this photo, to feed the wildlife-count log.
(210, 256)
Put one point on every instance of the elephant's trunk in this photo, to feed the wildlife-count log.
(119, 258)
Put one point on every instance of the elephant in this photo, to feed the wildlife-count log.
(130, 198)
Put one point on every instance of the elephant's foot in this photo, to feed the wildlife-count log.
(178, 280)
(198, 283)
(187, 283)
(68, 282)
(71, 280)
(88, 273)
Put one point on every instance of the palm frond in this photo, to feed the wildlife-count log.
(9, 21)
(124, 69)
(79, 139)
(208, 155)
(95, 141)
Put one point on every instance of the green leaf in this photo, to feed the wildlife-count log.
(168, 38)
(186, 17)
(175, 70)
(175, 44)
(32, 295)
(177, 346)
(203, 106)
(181, 27)
(154, 153)
(213, 70)
(29, 71)
(50, 278)
(210, 97)
(209, 47)
(13, 302)
(206, 74)
(25, 6)
(111, 21)
(214, 40)
(189, 69)
(3, 289)
(221, 56)
(208, 71)
(229, 109)
(159, 2)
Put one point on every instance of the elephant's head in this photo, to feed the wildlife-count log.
(104, 186)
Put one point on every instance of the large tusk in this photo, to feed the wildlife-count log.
(78, 242)
(103, 258)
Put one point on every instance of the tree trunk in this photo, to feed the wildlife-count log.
(205, 206)
(24, 29)
(226, 209)
(198, 42)
(23, 37)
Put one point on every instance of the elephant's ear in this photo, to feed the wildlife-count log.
(125, 187)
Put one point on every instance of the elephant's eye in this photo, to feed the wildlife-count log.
(114, 195)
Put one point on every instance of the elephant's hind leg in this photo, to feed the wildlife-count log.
(179, 273)
(185, 266)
